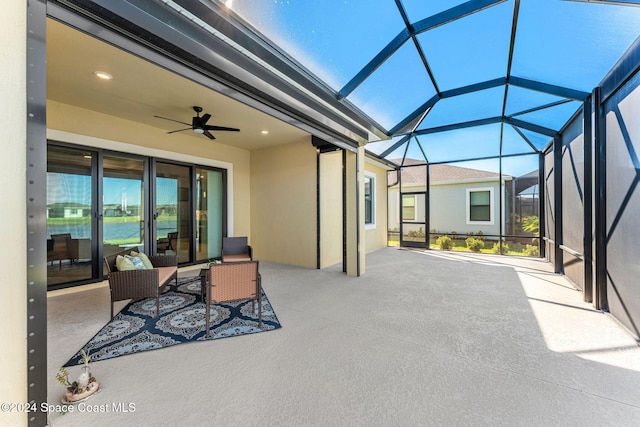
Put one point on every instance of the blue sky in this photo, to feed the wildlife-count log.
(567, 43)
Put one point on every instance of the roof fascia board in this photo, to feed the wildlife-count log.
(161, 29)
(548, 88)
(81, 21)
(244, 35)
(375, 160)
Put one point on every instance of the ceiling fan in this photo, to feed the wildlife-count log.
(199, 124)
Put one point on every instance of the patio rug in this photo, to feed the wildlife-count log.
(181, 320)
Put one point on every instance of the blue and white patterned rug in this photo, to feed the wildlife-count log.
(181, 320)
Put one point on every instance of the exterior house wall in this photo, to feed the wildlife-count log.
(331, 208)
(13, 164)
(448, 205)
(376, 235)
(283, 204)
(67, 123)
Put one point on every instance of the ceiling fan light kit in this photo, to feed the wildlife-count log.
(199, 124)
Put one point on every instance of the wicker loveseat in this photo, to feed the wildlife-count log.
(138, 284)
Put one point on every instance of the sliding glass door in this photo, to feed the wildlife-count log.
(123, 204)
(70, 218)
(209, 213)
(101, 202)
(173, 210)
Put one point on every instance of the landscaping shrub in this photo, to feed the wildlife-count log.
(474, 244)
(531, 250)
(496, 248)
(445, 243)
(418, 233)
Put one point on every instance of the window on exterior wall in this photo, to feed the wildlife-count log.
(369, 201)
(479, 207)
(408, 207)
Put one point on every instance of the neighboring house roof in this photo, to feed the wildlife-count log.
(444, 173)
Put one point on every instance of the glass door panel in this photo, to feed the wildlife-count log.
(209, 206)
(123, 212)
(69, 215)
(173, 210)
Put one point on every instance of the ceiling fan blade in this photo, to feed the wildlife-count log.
(208, 134)
(211, 127)
(177, 121)
(205, 118)
(179, 130)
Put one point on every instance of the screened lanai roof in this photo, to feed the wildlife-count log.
(451, 79)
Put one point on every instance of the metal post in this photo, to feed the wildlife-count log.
(36, 184)
(318, 218)
(427, 202)
(587, 245)
(599, 199)
(558, 259)
(541, 206)
(344, 211)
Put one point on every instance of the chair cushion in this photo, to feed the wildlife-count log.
(124, 264)
(236, 258)
(137, 262)
(144, 258)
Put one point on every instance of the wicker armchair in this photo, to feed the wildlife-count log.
(58, 248)
(236, 249)
(234, 282)
(138, 284)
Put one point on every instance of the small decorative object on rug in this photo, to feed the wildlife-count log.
(81, 388)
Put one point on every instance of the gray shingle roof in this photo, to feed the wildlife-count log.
(443, 173)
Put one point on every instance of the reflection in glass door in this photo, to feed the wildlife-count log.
(69, 215)
(209, 208)
(123, 208)
(173, 218)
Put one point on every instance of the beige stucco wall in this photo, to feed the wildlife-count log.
(376, 235)
(283, 204)
(77, 125)
(330, 208)
(13, 225)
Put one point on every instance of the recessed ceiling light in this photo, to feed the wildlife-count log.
(264, 132)
(103, 75)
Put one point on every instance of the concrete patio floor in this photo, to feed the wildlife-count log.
(423, 338)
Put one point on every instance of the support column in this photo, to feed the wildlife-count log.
(599, 200)
(587, 244)
(354, 218)
(558, 259)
